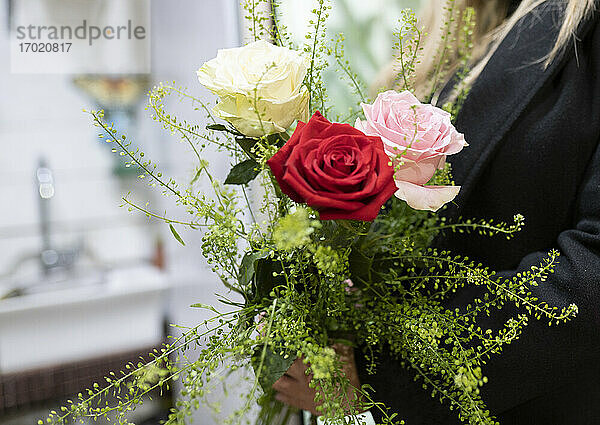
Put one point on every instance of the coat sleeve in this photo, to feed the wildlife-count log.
(547, 358)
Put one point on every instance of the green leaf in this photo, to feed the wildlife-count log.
(217, 127)
(243, 173)
(273, 367)
(247, 269)
(264, 281)
(224, 128)
(247, 143)
(176, 235)
(205, 306)
(197, 176)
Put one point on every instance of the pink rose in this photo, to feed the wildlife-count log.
(418, 138)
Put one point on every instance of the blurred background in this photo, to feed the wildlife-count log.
(86, 286)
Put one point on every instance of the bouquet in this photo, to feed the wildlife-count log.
(323, 236)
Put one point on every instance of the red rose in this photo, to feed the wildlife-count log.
(335, 169)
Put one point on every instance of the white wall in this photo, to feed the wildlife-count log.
(184, 37)
(41, 116)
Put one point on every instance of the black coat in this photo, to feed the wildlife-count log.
(534, 150)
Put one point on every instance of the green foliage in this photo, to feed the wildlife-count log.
(294, 230)
(258, 18)
(176, 235)
(408, 47)
(464, 53)
(316, 48)
(446, 48)
(453, 57)
(343, 65)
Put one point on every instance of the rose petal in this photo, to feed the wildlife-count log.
(427, 198)
(418, 173)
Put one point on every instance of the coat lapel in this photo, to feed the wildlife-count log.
(504, 89)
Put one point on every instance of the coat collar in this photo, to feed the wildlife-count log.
(506, 86)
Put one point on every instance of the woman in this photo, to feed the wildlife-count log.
(532, 119)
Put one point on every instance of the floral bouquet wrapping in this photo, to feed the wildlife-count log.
(323, 236)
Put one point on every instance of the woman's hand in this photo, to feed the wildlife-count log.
(293, 387)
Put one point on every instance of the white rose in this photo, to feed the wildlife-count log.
(258, 79)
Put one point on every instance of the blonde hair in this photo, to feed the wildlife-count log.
(491, 27)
